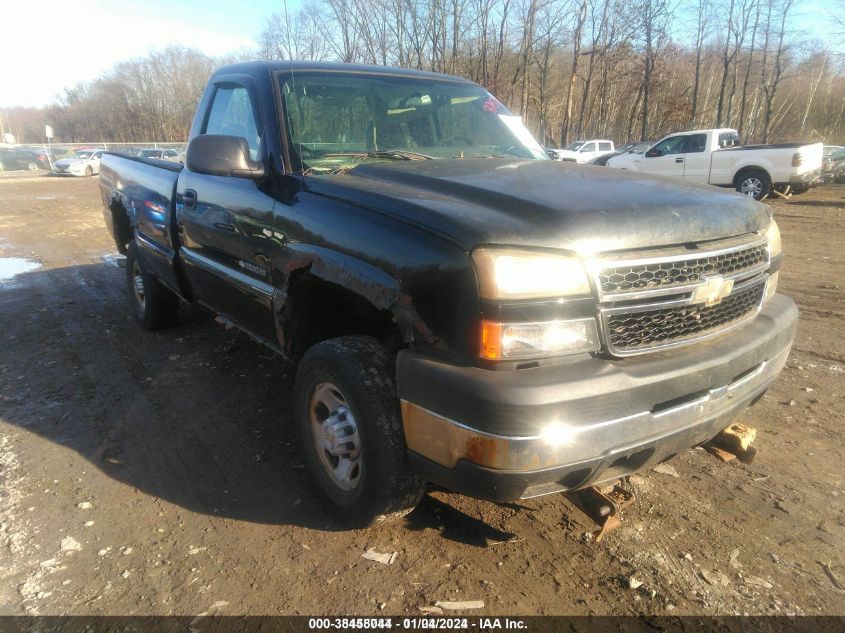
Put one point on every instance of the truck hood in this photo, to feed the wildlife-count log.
(545, 203)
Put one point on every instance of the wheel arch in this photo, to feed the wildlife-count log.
(327, 294)
(747, 169)
(121, 221)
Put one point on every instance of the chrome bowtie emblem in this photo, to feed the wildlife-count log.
(713, 291)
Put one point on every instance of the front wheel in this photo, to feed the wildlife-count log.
(153, 304)
(350, 426)
(89, 171)
(754, 184)
(32, 166)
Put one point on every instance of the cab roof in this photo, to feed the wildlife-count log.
(304, 66)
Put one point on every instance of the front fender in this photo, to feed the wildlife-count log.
(382, 290)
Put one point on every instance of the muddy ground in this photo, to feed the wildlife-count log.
(156, 473)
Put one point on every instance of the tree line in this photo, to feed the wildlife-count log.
(618, 69)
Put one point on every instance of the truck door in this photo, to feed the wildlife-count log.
(666, 158)
(225, 223)
(587, 152)
(696, 158)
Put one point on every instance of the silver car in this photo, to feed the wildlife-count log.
(84, 162)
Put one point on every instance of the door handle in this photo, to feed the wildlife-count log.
(679, 160)
(189, 199)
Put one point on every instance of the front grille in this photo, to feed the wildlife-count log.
(640, 331)
(665, 274)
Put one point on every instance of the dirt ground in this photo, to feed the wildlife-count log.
(156, 473)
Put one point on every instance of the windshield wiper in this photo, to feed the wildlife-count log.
(400, 154)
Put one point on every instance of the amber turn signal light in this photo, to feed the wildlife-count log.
(491, 340)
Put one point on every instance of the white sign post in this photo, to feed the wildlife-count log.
(48, 132)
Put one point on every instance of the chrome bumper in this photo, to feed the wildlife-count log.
(446, 442)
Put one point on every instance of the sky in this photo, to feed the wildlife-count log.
(49, 45)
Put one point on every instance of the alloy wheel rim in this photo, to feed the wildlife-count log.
(752, 187)
(336, 437)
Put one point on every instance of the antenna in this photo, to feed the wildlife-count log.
(293, 85)
(287, 29)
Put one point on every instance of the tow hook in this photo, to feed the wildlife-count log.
(603, 506)
(734, 442)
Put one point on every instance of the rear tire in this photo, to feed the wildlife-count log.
(154, 305)
(754, 184)
(345, 390)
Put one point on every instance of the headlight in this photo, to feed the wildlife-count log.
(517, 274)
(508, 341)
(773, 235)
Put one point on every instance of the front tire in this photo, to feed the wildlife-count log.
(350, 427)
(89, 171)
(154, 305)
(754, 184)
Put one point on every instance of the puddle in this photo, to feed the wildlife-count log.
(13, 266)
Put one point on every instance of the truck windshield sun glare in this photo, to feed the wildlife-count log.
(339, 121)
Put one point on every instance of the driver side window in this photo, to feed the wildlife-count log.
(589, 147)
(232, 114)
(666, 147)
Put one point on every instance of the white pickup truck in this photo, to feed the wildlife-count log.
(585, 151)
(716, 157)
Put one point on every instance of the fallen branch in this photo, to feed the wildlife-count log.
(833, 579)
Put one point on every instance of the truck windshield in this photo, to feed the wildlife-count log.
(336, 121)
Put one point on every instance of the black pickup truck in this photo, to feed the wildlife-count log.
(462, 310)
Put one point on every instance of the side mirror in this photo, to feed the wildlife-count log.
(652, 153)
(218, 155)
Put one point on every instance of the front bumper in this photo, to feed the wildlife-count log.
(505, 435)
(75, 170)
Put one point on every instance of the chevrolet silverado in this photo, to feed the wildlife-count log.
(462, 310)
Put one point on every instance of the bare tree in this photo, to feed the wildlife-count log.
(571, 67)
(578, 28)
(654, 18)
(777, 17)
(702, 14)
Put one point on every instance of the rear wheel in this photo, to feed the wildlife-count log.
(754, 184)
(154, 305)
(348, 417)
(32, 166)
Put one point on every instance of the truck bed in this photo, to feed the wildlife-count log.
(768, 146)
(139, 193)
